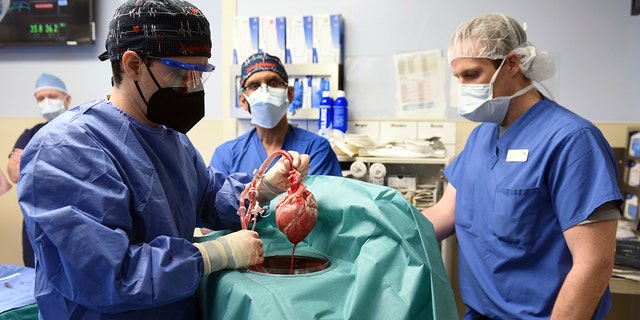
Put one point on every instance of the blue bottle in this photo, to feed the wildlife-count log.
(340, 112)
(326, 114)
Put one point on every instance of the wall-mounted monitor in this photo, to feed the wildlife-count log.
(46, 22)
(635, 7)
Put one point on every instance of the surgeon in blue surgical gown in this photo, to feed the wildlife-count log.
(111, 190)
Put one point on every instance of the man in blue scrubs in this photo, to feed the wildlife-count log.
(533, 198)
(111, 190)
(266, 95)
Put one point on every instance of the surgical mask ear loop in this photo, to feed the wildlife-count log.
(152, 77)
(246, 98)
(517, 94)
(495, 76)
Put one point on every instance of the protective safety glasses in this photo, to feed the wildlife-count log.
(187, 66)
(184, 76)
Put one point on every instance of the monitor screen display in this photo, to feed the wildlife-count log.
(46, 22)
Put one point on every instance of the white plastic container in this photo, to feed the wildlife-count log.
(634, 174)
(634, 145)
(631, 207)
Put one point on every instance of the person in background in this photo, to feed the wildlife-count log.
(52, 100)
(266, 96)
(111, 190)
(532, 198)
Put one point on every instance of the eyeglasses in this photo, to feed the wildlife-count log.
(186, 66)
(273, 83)
(189, 76)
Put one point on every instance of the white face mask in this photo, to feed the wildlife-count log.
(268, 106)
(51, 108)
(476, 102)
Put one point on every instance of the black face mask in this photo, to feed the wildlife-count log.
(177, 110)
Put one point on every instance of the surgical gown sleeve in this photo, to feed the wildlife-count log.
(106, 238)
(225, 201)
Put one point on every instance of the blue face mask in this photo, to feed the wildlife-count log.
(51, 108)
(476, 102)
(268, 105)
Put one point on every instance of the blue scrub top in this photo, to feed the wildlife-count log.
(246, 153)
(515, 196)
(110, 206)
(26, 136)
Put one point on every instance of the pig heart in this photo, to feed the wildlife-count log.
(296, 213)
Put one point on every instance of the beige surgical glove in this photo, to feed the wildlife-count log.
(235, 250)
(276, 180)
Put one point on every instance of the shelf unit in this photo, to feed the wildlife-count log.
(630, 182)
(624, 286)
(421, 180)
(619, 285)
(333, 71)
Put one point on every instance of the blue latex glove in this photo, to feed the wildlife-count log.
(297, 96)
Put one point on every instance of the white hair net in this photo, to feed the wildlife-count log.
(493, 36)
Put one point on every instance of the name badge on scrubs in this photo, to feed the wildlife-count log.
(517, 155)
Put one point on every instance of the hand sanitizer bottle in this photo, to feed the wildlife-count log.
(326, 114)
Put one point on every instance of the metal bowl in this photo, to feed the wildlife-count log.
(302, 264)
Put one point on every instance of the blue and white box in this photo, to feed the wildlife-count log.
(245, 38)
(272, 36)
(299, 39)
(328, 38)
